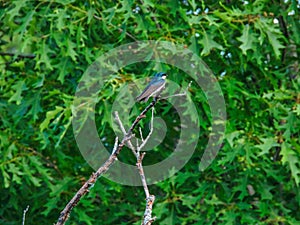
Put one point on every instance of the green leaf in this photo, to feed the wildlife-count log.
(64, 2)
(194, 45)
(189, 201)
(289, 157)
(64, 131)
(62, 15)
(91, 13)
(16, 173)
(228, 217)
(19, 87)
(268, 143)
(6, 177)
(50, 205)
(193, 4)
(267, 28)
(63, 69)
(34, 104)
(43, 57)
(208, 44)
(84, 217)
(241, 187)
(50, 115)
(214, 200)
(276, 44)
(18, 5)
(265, 191)
(231, 136)
(55, 193)
(297, 110)
(25, 22)
(56, 41)
(247, 39)
(35, 180)
(71, 50)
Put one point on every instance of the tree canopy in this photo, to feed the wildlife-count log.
(252, 48)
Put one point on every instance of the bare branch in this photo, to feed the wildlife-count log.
(141, 134)
(148, 219)
(117, 118)
(119, 28)
(141, 172)
(64, 215)
(142, 115)
(179, 94)
(115, 145)
(24, 215)
(100, 19)
(148, 136)
(18, 55)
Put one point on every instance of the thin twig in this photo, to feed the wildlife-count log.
(115, 146)
(24, 215)
(147, 218)
(64, 215)
(120, 29)
(141, 172)
(179, 94)
(142, 115)
(117, 118)
(158, 26)
(19, 55)
(148, 136)
(141, 134)
(127, 33)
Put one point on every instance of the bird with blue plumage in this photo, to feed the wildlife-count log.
(154, 88)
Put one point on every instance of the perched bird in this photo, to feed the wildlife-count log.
(154, 88)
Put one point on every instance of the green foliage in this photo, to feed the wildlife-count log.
(253, 49)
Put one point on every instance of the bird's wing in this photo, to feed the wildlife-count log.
(150, 90)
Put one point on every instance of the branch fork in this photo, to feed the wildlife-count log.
(64, 215)
(148, 219)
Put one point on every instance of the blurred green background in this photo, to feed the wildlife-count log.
(253, 49)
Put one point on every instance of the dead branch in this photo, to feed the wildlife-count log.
(147, 219)
(64, 215)
(179, 94)
(24, 215)
(147, 215)
(18, 55)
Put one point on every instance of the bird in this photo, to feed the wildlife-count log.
(154, 88)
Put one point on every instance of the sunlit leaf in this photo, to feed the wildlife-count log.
(290, 158)
(247, 40)
(208, 44)
(19, 87)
